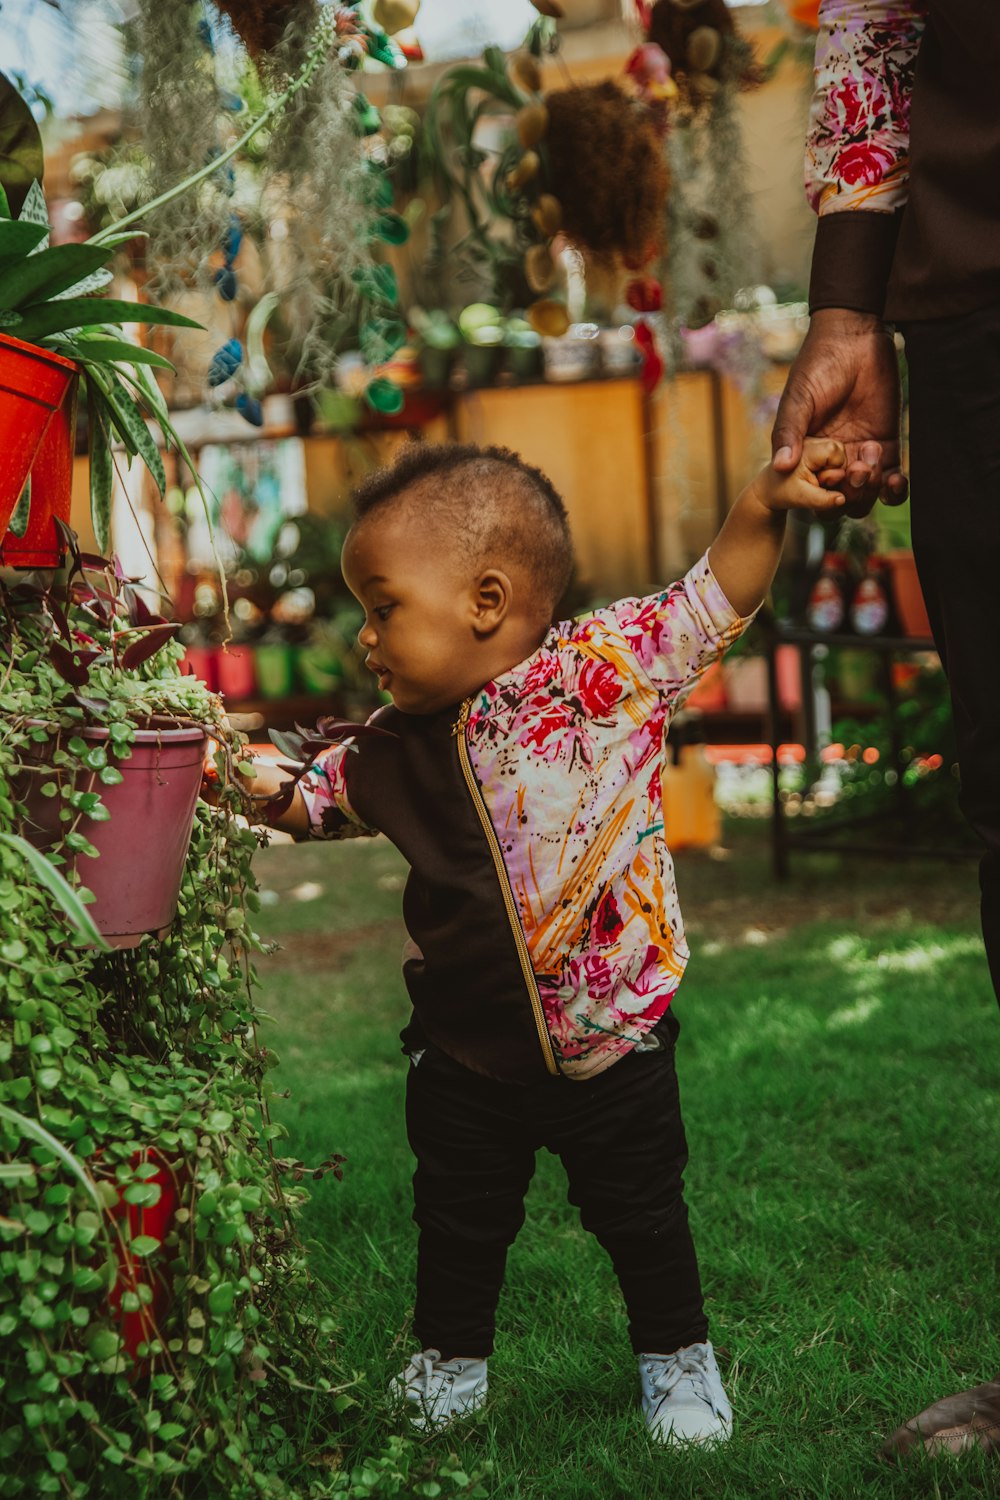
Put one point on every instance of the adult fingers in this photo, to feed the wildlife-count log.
(895, 487)
(791, 423)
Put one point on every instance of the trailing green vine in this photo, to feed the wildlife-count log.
(124, 1076)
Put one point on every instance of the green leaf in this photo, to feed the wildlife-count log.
(22, 160)
(378, 282)
(18, 524)
(43, 319)
(143, 1245)
(221, 1298)
(101, 470)
(86, 1279)
(18, 239)
(56, 884)
(45, 1138)
(102, 351)
(390, 227)
(143, 1193)
(102, 1344)
(42, 276)
(16, 1171)
(380, 338)
(131, 424)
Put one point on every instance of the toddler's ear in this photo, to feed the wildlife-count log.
(492, 597)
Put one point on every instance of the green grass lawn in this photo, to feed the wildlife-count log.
(839, 1070)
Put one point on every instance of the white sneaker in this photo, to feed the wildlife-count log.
(436, 1391)
(682, 1396)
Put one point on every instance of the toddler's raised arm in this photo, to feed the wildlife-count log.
(745, 554)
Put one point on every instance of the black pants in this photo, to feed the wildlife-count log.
(954, 366)
(621, 1140)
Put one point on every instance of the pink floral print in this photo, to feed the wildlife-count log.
(568, 751)
(857, 155)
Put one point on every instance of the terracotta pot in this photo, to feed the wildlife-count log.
(907, 596)
(788, 669)
(33, 385)
(143, 845)
(51, 493)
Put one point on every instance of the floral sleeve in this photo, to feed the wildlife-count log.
(677, 634)
(324, 791)
(857, 153)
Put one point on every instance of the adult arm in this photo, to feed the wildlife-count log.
(845, 382)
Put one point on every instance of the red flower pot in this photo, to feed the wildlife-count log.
(203, 662)
(155, 1219)
(143, 845)
(51, 491)
(237, 673)
(33, 385)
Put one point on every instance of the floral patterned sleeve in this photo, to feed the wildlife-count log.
(858, 148)
(324, 791)
(857, 153)
(676, 635)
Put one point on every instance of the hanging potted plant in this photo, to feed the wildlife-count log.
(56, 331)
(119, 745)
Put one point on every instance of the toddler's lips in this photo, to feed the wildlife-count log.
(382, 673)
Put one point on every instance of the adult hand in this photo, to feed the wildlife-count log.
(844, 384)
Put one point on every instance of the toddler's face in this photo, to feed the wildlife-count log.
(418, 632)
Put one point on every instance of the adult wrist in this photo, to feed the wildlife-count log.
(846, 322)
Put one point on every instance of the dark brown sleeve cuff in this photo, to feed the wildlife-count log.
(852, 258)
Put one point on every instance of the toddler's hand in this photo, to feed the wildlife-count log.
(814, 483)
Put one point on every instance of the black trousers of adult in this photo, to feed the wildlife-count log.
(621, 1140)
(954, 372)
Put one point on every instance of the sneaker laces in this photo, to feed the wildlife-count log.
(687, 1365)
(425, 1370)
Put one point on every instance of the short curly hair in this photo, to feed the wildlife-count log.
(494, 505)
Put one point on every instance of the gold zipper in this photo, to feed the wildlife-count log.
(475, 791)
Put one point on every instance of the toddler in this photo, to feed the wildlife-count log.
(520, 777)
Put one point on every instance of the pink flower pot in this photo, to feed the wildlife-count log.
(143, 845)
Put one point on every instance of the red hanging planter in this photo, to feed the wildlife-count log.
(51, 492)
(142, 1324)
(34, 383)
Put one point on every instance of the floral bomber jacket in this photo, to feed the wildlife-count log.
(541, 904)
